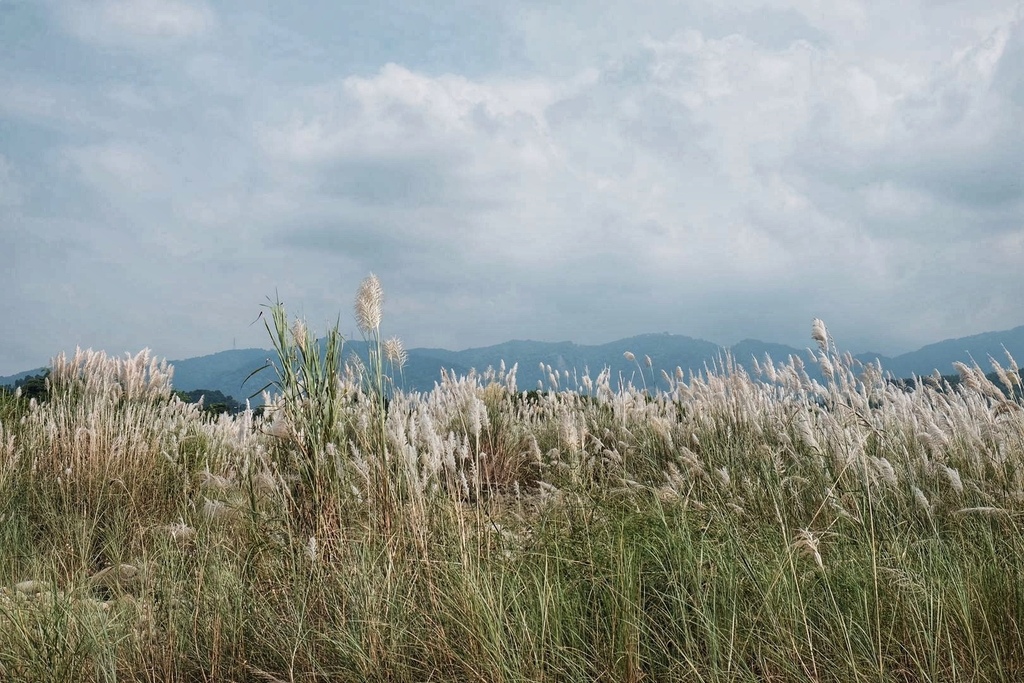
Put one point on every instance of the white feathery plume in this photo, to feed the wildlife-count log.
(886, 470)
(953, 477)
(819, 333)
(395, 352)
(369, 302)
(300, 333)
(806, 543)
(312, 549)
(921, 499)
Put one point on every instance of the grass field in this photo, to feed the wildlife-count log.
(746, 525)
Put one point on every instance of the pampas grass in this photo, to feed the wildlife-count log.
(735, 525)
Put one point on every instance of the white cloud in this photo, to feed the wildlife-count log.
(115, 168)
(401, 113)
(718, 170)
(423, 156)
(137, 24)
(716, 163)
(45, 104)
(886, 200)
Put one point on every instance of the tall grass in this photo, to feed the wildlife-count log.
(738, 526)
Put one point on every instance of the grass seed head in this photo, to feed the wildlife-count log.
(395, 352)
(300, 333)
(819, 333)
(806, 543)
(369, 302)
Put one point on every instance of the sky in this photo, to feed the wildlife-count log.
(580, 171)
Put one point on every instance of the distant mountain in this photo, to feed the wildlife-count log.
(224, 371)
(10, 380)
(941, 355)
(227, 370)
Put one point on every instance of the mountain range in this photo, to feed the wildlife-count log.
(227, 370)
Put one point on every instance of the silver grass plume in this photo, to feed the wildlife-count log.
(368, 304)
(806, 543)
(819, 333)
(967, 376)
(826, 367)
(722, 475)
(300, 333)
(953, 477)
(395, 352)
(1008, 379)
(921, 499)
(312, 549)
(886, 471)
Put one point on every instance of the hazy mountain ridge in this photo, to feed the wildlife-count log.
(226, 371)
(941, 355)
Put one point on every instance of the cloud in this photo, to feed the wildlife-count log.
(400, 112)
(45, 105)
(953, 135)
(722, 165)
(137, 24)
(115, 168)
(574, 172)
(431, 153)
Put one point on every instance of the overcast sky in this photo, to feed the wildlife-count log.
(570, 170)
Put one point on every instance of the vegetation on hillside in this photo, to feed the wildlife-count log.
(211, 402)
(29, 387)
(735, 527)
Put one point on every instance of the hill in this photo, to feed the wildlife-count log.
(227, 371)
